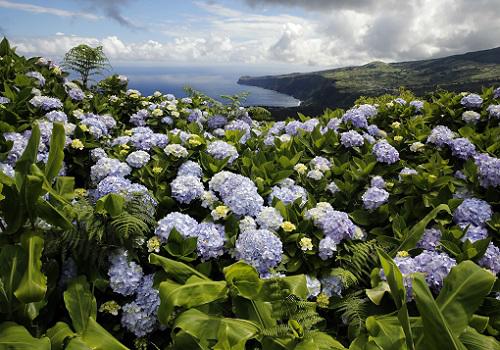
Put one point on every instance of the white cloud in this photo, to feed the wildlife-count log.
(47, 10)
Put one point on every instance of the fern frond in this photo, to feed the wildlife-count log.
(359, 258)
(353, 309)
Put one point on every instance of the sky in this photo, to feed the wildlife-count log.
(293, 35)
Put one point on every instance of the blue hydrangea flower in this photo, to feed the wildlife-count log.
(288, 192)
(327, 247)
(238, 192)
(269, 218)
(134, 319)
(211, 239)
(367, 110)
(440, 136)
(491, 259)
(148, 297)
(332, 285)
(400, 101)
(97, 128)
(108, 167)
(241, 126)
(97, 153)
(494, 111)
(356, 118)
(57, 116)
(430, 239)
(374, 131)
(374, 197)
(124, 276)
(184, 224)
(488, 169)
(472, 101)
(406, 172)
(496, 93)
(138, 159)
(332, 188)
(19, 144)
(435, 266)
(186, 189)
(7, 169)
(385, 153)
(76, 94)
(221, 150)
(313, 286)
(139, 118)
(292, 128)
(351, 138)
(216, 122)
(176, 150)
(473, 233)
(474, 211)
(462, 148)
(38, 76)
(4, 100)
(334, 124)
(247, 223)
(315, 174)
(46, 103)
(320, 163)
(190, 168)
(335, 224)
(377, 181)
(259, 248)
(419, 105)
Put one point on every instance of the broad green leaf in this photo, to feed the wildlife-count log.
(111, 203)
(416, 231)
(15, 337)
(33, 285)
(195, 292)
(80, 303)
(437, 332)
(175, 270)
(463, 292)
(319, 341)
(386, 332)
(56, 152)
(12, 266)
(474, 340)
(30, 152)
(58, 335)
(376, 294)
(205, 328)
(97, 338)
(77, 344)
(53, 215)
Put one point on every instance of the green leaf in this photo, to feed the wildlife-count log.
(463, 292)
(376, 294)
(195, 292)
(386, 332)
(80, 303)
(28, 157)
(111, 203)
(15, 337)
(58, 335)
(437, 332)
(414, 235)
(56, 153)
(12, 265)
(319, 341)
(473, 340)
(97, 338)
(230, 333)
(180, 246)
(175, 270)
(33, 285)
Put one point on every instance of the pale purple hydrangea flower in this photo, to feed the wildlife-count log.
(440, 136)
(367, 110)
(241, 126)
(216, 122)
(293, 127)
(97, 153)
(334, 124)
(148, 297)
(472, 101)
(474, 233)
(320, 163)
(57, 116)
(351, 138)
(4, 100)
(474, 211)
(374, 197)
(496, 93)
(315, 174)
(374, 131)
(138, 159)
(139, 118)
(400, 101)
(38, 76)
(435, 266)
(190, 168)
(46, 103)
(332, 286)
(406, 172)
(462, 148)
(377, 181)
(19, 144)
(332, 188)
(471, 117)
(269, 218)
(417, 104)
(334, 224)
(494, 111)
(385, 153)
(327, 247)
(488, 170)
(287, 192)
(356, 118)
(184, 224)
(211, 239)
(136, 320)
(491, 259)
(430, 239)
(313, 286)
(76, 94)
(97, 127)
(124, 275)
(259, 248)
(7, 170)
(221, 150)
(186, 188)
(108, 167)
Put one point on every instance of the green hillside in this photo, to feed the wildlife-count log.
(341, 87)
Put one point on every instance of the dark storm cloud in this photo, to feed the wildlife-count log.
(112, 9)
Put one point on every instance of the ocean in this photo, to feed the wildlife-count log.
(212, 81)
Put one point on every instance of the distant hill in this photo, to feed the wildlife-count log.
(342, 86)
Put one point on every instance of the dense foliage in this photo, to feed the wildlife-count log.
(152, 222)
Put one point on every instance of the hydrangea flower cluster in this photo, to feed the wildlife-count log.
(419, 105)
(211, 240)
(108, 167)
(488, 170)
(143, 138)
(332, 285)
(471, 101)
(471, 117)
(334, 224)
(46, 103)
(385, 153)
(138, 159)
(238, 192)
(76, 94)
(320, 163)
(374, 197)
(356, 117)
(139, 117)
(313, 286)
(38, 76)
(184, 224)
(269, 218)
(287, 192)
(190, 168)
(176, 150)
(491, 259)
(124, 275)
(186, 188)
(260, 248)
(494, 111)
(221, 150)
(56, 116)
(462, 148)
(473, 211)
(377, 181)
(440, 136)
(430, 239)
(351, 138)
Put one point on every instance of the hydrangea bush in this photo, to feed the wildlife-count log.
(151, 222)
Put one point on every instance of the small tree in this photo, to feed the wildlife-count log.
(86, 61)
